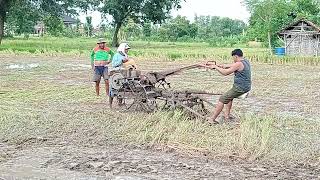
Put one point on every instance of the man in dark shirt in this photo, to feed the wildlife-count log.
(242, 83)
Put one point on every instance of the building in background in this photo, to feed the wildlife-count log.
(301, 38)
(68, 21)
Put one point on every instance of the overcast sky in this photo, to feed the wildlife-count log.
(226, 8)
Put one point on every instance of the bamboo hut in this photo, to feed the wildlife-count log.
(301, 38)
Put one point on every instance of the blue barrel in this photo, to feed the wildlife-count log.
(280, 51)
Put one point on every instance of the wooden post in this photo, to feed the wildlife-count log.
(300, 44)
(285, 43)
(318, 43)
(269, 38)
(2, 19)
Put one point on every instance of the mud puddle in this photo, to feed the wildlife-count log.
(22, 66)
(67, 161)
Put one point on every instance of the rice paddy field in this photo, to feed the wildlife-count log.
(52, 126)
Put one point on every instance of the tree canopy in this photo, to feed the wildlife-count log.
(138, 10)
(177, 28)
(25, 13)
(209, 26)
(150, 19)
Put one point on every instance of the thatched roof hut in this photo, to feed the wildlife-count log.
(301, 38)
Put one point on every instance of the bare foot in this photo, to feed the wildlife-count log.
(231, 118)
(212, 122)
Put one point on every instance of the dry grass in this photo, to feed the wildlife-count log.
(56, 100)
(264, 138)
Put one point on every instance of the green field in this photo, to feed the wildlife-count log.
(55, 100)
(165, 50)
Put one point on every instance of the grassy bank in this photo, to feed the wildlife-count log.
(267, 139)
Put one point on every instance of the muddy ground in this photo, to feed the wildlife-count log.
(286, 91)
(56, 159)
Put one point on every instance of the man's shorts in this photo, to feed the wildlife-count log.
(100, 71)
(234, 92)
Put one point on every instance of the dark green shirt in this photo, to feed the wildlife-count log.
(242, 79)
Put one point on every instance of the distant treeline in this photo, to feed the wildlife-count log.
(219, 31)
(202, 29)
(267, 19)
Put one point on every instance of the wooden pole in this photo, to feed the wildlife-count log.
(285, 43)
(269, 39)
(317, 46)
(300, 46)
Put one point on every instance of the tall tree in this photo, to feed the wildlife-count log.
(23, 17)
(88, 26)
(215, 26)
(179, 27)
(54, 25)
(132, 29)
(309, 9)
(45, 7)
(139, 10)
(146, 29)
(267, 18)
(4, 8)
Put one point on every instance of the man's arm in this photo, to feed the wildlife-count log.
(233, 68)
(92, 58)
(111, 53)
(124, 60)
(225, 66)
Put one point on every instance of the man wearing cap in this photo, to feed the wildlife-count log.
(100, 58)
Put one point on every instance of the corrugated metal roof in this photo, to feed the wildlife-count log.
(68, 19)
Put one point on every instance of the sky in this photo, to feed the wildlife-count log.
(233, 9)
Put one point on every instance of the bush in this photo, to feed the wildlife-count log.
(227, 41)
(69, 32)
(55, 26)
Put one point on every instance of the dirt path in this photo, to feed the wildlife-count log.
(62, 160)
